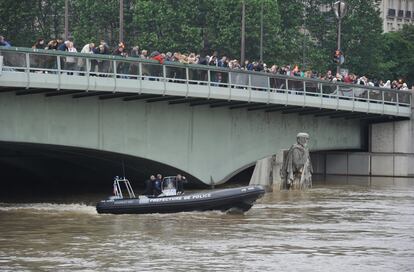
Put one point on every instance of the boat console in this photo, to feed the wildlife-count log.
(168, 187)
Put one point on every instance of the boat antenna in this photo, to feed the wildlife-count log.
(212, 182)
(123, 167)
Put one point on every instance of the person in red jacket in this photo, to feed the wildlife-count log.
(157, 56)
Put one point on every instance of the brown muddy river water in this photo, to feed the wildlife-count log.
(328, 228)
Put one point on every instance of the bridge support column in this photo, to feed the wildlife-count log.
(392, 148)
(391, 155)
(267, 172)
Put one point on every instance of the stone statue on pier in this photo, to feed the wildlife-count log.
(296, 172)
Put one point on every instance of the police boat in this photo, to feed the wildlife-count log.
(171, 201)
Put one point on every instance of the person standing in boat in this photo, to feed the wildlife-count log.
(157, 185)
(179, 181)
(149, 185)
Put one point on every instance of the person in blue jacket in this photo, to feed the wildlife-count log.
(157, 185)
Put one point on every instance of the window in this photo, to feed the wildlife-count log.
(391, 12)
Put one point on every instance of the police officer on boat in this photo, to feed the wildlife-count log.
(179, 181)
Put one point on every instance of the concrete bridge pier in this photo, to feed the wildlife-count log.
(267, 172)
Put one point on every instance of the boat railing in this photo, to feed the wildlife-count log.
(118, 188)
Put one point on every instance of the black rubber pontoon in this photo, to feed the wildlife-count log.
(241, 198)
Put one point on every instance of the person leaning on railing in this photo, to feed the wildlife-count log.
(223, 62)
(121, 67)
(404, 87)
(70, 62)
(86, 49)
(3, 42)
(103, 65)
(39, 61)
(133, 67)
(52, 45)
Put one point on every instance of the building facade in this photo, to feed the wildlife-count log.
(396, 13)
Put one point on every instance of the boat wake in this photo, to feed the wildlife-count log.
(47, 207)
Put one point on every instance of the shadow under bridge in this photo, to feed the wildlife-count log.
(40, 169)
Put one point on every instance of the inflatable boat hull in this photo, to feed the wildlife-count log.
(236, 198)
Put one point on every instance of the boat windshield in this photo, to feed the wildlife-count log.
(169, 183)
(169, 186)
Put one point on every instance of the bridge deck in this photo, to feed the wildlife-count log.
(81, 75)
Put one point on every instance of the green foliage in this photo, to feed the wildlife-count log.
(398, 55)
(199, 26)
(362, 35)
(295, 31)
(23, 21)
(291, 39)
(168, 25)
(91, 21)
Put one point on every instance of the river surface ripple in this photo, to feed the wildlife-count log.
(327, 228)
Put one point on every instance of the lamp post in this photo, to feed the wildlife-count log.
(243, 31)
(261, 32)
(121, 21)
(66, 20)
(340, 9)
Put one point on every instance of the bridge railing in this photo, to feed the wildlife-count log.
(58, 62)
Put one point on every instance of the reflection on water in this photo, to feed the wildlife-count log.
(363, 228)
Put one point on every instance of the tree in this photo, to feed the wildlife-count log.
(361, 36)
(291, 38)
(91, 21)
(27, 20)
(206, 26)
(398, 55)
(160, 26)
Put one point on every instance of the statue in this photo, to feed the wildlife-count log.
(296, 172)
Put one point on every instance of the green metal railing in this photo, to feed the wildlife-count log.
(58, 62)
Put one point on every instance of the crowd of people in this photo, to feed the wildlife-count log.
(212, 59)
(155, 184)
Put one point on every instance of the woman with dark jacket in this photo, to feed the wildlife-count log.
(103, 65)
(39, 61)
(122, 67)
(39, 44)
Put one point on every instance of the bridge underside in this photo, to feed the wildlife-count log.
(43, 169)
(209, 139)
(212, 103)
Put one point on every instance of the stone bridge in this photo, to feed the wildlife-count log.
(208, 122)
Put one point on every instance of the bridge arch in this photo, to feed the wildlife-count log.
(30, 167)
